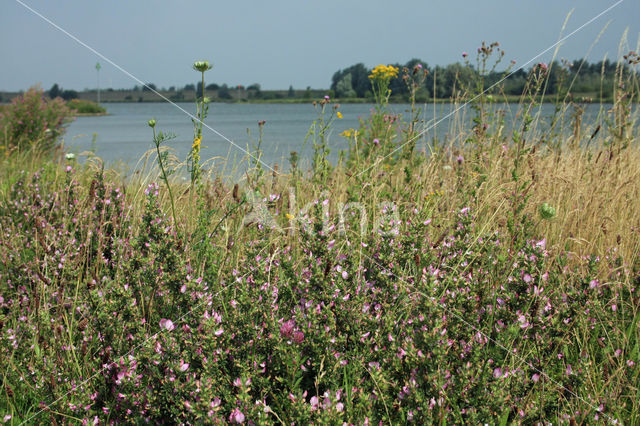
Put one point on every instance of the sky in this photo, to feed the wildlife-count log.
(279, 43)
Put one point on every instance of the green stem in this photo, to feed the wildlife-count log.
(165, 178)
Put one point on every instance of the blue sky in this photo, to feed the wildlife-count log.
(279, 43)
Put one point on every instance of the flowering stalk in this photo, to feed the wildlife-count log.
(162, 159)
(202, 109)
(380, 78)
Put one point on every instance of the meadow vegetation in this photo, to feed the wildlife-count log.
(493, 279)
(83, 107)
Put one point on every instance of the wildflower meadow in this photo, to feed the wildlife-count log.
(491, 279)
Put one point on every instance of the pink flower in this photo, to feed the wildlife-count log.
(286, 329)
(167, 324)
(465, 54)
(314, 403)
(298, 337)
(376, 141)
(535, 378)
(184, 366)
(236, 416)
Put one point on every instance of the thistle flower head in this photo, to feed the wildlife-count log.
(202, 66)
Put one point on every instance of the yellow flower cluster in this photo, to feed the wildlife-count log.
(384, 72)
(349, 133)
(433, 194)
(196, 143)
(339, 115)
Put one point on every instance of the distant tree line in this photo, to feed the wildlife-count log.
(441, 81)
(56, 91)
(226, 92)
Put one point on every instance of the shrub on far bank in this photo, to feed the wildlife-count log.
(32, 120)
(85, 107)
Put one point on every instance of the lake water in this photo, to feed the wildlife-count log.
(124, 136)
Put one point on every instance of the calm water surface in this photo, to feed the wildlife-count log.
(124, 136)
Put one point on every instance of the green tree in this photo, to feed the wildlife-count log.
(67, 95)
(55, 91)
(359, 75)
(344, 88)
(224, 93)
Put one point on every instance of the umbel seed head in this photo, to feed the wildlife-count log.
(547, 211)
(202, 66)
